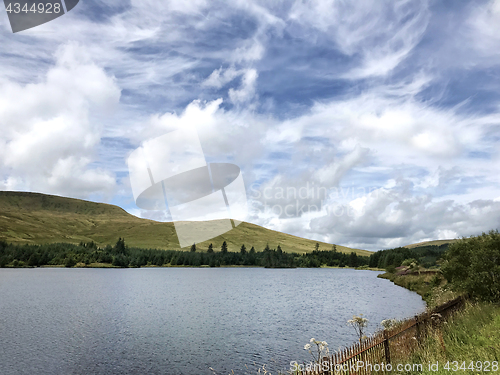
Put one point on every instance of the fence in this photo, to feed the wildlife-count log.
(389, 346)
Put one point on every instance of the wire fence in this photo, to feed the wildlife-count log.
(388, 346)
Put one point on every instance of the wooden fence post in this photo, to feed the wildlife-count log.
(417, 329)
(386, 348)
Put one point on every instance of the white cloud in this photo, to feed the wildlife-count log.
(47, 131)
(246, 91)
(221, 77)
(382, 33)
(485, 24)
(395, 129)
(399, 216)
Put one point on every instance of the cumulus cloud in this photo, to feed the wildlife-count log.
(393, 97)
(48, 135)
(397, 216)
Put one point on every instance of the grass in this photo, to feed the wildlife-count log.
(39, 218)
(433, 288)
(472, 334)
(431, 243)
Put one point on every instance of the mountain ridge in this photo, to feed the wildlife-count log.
(41, 218)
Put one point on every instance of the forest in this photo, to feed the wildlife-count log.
(427, 256)
(120, 255)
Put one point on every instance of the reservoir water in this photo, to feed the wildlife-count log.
(183, 320)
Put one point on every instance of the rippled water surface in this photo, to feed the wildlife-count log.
(182, 320)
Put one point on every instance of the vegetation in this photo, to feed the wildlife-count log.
(121, 255)
(427, 256)
(433, 287)
(471, 338)
(31, 218)
(470, 265)
(473, 266)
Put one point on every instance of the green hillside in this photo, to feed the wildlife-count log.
(39, 218)
(430, 243)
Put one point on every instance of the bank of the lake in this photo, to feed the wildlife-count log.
(469, 341)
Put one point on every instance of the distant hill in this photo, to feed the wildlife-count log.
(40, 218)
(430, 243)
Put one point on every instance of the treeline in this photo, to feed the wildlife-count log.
(470, 265)
(427, 256)
(121, 255)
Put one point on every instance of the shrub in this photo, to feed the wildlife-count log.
(70, 262)
(390, 269)
(473, 265)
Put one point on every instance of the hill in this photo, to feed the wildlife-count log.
(430, 243)
(40, 218)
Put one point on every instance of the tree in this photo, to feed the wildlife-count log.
(334, 248)
(353, 259)
(473, 265)
(279, 250)
(223, 248)
(243, 249)
(70, 262)
(33, 261)
(193, 248)
(120, 261)
(316, 247)
(252, 250)
(120, 247)
(210, 249)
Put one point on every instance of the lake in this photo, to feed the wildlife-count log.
(183, 320)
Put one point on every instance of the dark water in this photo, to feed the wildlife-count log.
(182, 320)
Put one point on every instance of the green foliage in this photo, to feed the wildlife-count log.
(210, 249)
(427, 256)
(390, 268)
(473, 265)
(409, 261)
(121, 255)
(70, 262)
(193, 248)
(223, 248)
(472, 335)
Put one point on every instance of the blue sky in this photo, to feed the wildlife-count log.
(391, 107)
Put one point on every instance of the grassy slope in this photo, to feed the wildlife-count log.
(431, 287)
(39, 218)
(471, 335)
(430, 243)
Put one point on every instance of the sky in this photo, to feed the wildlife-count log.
(371, 124)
